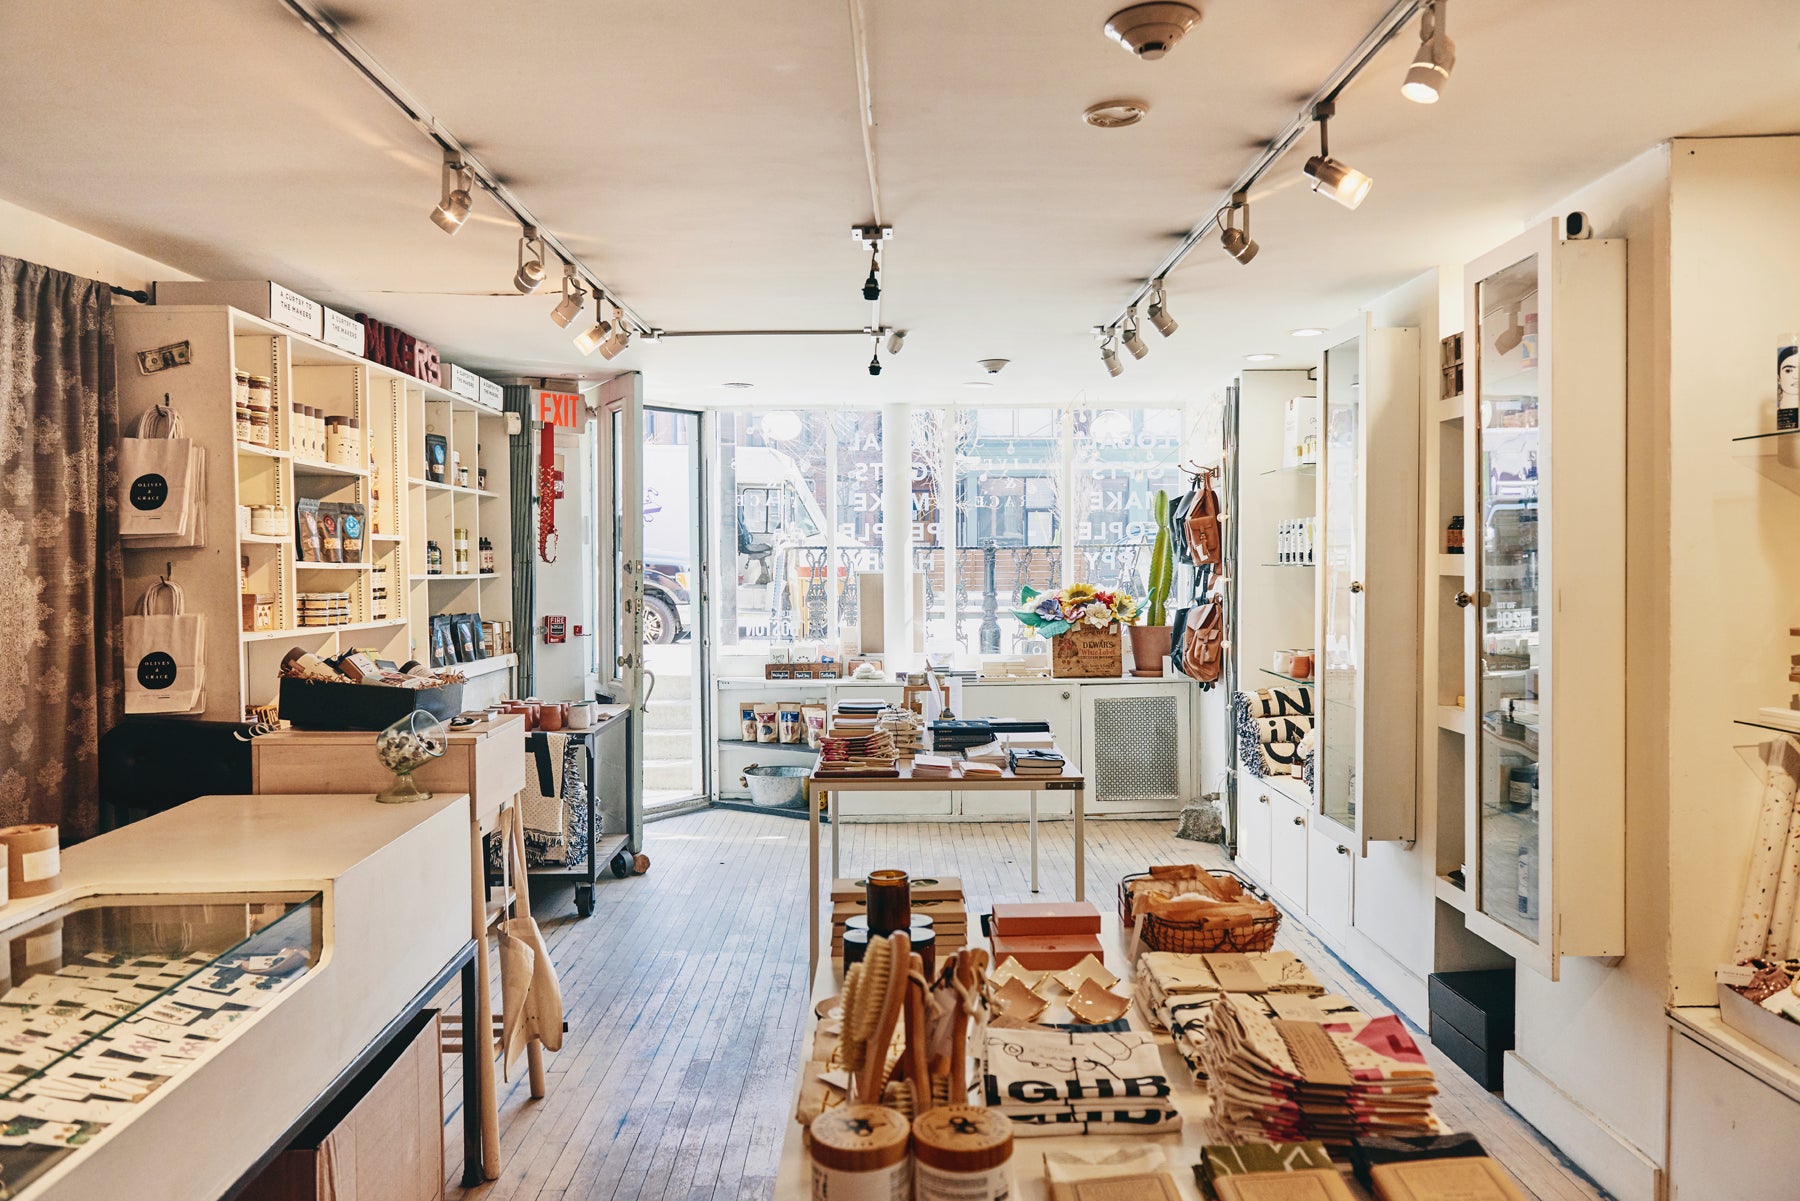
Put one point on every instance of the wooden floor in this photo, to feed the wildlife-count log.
(686, 990)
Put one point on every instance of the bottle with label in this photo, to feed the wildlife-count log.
(459, 547)
(1453, 537)
(434, 559)
(487, 555)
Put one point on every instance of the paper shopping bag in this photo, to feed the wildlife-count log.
(165, 654)
(155, 476)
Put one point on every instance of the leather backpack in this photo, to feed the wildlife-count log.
(1201, 524)
(1199, 641)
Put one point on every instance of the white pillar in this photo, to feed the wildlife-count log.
(898, 617)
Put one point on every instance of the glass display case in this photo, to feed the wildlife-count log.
(107, 999)
(1544, 591)
(1367, 607)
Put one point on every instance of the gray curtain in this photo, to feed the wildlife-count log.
(524, 537)
(60, 562)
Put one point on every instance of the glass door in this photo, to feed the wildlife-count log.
(1341, 635)
(1505, 553)
(675, 640)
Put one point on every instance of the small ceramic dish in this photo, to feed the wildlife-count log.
(1014, 1000)
(1089, 968)
(1096, 1005)
(1009, 969)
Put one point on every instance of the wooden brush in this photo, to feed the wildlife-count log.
(865, 988)
(891, 975)
(918, 1066)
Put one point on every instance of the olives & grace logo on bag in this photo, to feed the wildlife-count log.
(149, 491)
(156, 670)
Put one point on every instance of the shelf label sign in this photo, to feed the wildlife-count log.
(461, 381)
(559, 408)
(492, 395)
(343, 331)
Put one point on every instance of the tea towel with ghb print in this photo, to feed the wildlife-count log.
(165, 654)
(156, 476)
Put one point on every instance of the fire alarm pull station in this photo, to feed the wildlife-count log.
(556, 629)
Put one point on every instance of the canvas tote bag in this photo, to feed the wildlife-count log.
(155, 476)
(165, 654)
(531, 1004)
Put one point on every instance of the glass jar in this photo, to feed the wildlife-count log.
(487, 555)
(240, 387)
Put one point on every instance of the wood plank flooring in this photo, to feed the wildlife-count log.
(686, 990)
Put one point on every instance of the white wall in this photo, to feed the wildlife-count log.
(1592, 1059)
(37, 239)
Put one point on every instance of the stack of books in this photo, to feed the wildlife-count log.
(933, 767)
(1031, 761)
(855, 744)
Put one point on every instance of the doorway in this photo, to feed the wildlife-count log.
(676, 647)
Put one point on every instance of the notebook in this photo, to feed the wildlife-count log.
(1318, 1184)
(1475, 1179)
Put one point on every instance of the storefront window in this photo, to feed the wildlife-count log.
(773, 487)
(1122, 457)
(1009, 467)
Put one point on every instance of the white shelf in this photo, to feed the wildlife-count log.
(1455, 565)
(262, 452)
(386, 538)
(452, 576)
(317, 631)
(317, 467)
(334, 567)
(1451, 895)
(1453, 719)
(1452, 409)
(482, 667)
(430, 484)
(265, 539)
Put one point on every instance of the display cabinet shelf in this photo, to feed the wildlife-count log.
(1544, 491)
(1270, 671)
(1294, 469)
(1290, 564)
(318, 467)
(1775, 455)
(1453, 718)
(262, 452)
(265, 539)
(443, 576)
(799, 747)
(482, 667)
(334, 567)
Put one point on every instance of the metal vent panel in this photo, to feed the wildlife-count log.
(1136, 749)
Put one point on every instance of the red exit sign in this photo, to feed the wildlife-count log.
(559, 408)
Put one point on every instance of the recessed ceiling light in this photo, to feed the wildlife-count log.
(978, 383)
(1115, 114)
(736, 384)
(1259, 358)
(1306, 331)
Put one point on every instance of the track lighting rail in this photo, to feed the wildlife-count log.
(1391, 25)
(364, 64)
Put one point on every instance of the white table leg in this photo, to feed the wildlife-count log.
(812, 883)
(1081, 843)
(1034, 855)
(831, 808)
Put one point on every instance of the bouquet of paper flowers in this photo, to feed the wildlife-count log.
(1063, 609)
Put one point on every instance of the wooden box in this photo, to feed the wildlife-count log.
(1088, 652)
(382, 1140)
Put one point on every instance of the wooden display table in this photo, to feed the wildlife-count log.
(827, 788)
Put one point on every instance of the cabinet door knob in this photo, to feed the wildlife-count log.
(1342, 849)
(1299, 821)
(1356, 585)
(1263, 799)
(1065, 696)
(1464, 600)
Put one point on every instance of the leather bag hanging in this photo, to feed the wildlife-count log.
(1202, 522)
(1200, 641)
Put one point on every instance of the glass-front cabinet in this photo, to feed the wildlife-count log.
(1544, 597)
(1368, 602)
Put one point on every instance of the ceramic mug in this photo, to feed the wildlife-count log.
(581, 715)
(1303, 665)
(550, 716)
(1284, 663)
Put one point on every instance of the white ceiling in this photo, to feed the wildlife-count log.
(705, 159)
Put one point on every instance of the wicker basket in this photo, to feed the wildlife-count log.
(1203, 937)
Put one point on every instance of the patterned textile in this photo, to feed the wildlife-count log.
(61, 567)
(1051, 1082)
(1272, 723)
(555, 818)
(1766, 916)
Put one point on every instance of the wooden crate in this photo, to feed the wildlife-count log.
(1088, 652)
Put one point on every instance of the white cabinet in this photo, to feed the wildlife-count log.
(1544, 598)
(1287, 849)
(1730, 1132)
(1368, 591)
(1330, 878)
(1255, 808)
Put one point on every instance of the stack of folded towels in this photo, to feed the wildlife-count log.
(1176, 992)
(1052, 1082)
(1286, 1067)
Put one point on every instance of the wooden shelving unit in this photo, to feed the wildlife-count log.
(394, 412)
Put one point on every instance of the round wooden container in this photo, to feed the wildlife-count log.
(961, 1153)
(859, 1153)
(33, 859)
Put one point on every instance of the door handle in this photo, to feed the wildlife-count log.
(1463, 600)
(1356, 586)
(1299, 821)
(1342, 849)
(648, 692)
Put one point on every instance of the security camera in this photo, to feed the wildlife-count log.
(1151, 30)
(1576, 226)
(875, 364)
(993, 366)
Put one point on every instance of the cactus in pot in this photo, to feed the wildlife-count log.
(1150, 641)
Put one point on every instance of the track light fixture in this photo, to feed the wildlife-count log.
(1434, 60)
(1109, 354)
(1134, 341)
(621, 337)
(574, 299)
(1340, 181)
(895, 340)
(1159, 311)
(453, 208)
(1508, 339)
(592, 338)
(530, 275)
(872, 285)
(1234, 234)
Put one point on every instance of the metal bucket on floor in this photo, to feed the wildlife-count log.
(776, 787)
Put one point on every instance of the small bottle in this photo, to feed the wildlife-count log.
(1524, 876)
(434, 559)
(1453, 537)
(487, 556)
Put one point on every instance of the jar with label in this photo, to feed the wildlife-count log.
(434, 559)
(487, 555)
(259, 398)
(343, 442)
(1453, 537)
(243, 428)
(267, 521)
(859, 1153)
(240, 388)
(961, 1153)
(459, 545)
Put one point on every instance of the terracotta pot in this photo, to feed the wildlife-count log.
(1149, 645)
(551, 716)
